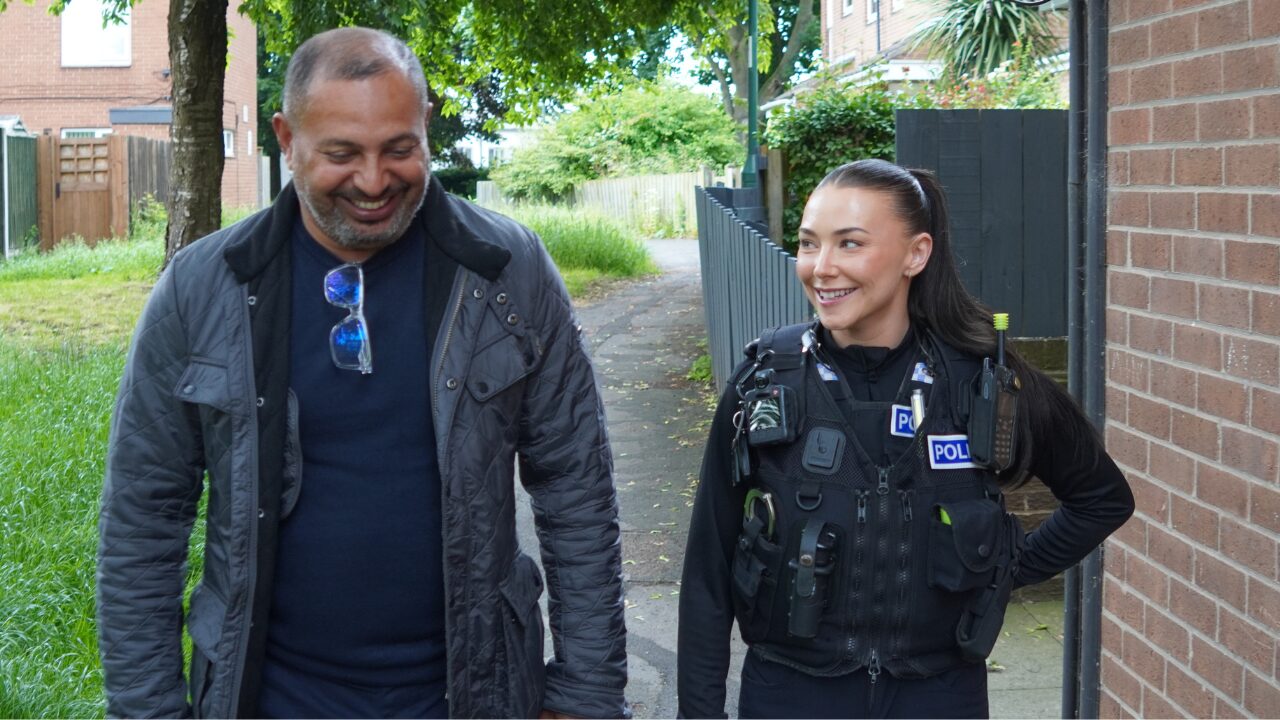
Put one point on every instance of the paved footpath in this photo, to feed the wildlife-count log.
(643, 337)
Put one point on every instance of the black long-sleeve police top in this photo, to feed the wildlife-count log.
(1094, 501)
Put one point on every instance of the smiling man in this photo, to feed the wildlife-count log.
(356, 371)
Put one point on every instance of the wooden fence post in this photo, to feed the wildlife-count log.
(47, 178)
(118, 184)
(774, 192)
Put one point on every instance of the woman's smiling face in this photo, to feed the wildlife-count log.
(856, 261)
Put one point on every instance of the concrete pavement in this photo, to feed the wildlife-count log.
(643, 336)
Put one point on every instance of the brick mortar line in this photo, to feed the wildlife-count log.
(1195, 145)
(1152, 273)
(1194, 232)
(1230, 424)
(1197, 189)
(1221, 605)
(1150, 19)
(1195, 54)
(1195, 99)
(1197, 322)
(1215, 464)
(1120, 661)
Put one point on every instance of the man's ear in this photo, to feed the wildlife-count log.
(284, 136)
(918, 254)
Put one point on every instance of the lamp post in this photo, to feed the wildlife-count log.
(750, 174)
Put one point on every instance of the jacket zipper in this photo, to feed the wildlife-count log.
(879, 599)
(851, 645)
(251, 569)
(444, 349)
(443, 451)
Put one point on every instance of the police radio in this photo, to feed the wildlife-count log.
(993, 420)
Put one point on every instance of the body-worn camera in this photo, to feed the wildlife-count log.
(770, 411)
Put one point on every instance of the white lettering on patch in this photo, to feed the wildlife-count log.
(949, 452)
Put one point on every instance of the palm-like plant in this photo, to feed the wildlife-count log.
(974, 36)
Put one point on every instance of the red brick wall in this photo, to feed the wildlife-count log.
(49, 97)
(1192, 602)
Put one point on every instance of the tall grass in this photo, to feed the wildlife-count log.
(578, 239)
(54, 407)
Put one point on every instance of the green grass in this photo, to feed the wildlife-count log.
(65, 321)
(578, 239)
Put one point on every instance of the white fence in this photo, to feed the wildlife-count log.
(657, 204)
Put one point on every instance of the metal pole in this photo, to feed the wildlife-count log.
(750, 174)
(1077, 64)
(1094, 338)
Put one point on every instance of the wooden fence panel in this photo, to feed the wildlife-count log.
(1004, 172)
(149, 164)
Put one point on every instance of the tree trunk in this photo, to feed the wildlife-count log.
(197, 59)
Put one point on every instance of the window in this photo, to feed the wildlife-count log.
(897, 5)
(847, 8)
(228, 144)
(873, 11)
(86, 43)
(248, 143)
(78, 133)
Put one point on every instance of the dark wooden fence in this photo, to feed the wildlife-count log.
(1005, 175)
(18, 207)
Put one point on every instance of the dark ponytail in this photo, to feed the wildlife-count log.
(938, 301)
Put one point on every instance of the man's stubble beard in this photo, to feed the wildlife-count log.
(333, 223)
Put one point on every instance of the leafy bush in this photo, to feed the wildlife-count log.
(647, 128)
(1022, 82)
(461, 181)
(835, 124)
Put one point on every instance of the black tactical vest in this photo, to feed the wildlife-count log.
(847, 564)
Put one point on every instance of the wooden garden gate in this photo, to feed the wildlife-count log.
(83, 189)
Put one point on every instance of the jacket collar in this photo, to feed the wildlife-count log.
(249, 254)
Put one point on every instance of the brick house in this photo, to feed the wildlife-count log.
(1191, 598)
(856, 33)
(69, 76)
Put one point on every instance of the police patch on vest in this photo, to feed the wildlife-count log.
(949, 452)
(900, 421)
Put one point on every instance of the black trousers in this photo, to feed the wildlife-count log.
(770, 690)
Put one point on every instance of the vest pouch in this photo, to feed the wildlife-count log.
(965, 544)
(755, 563)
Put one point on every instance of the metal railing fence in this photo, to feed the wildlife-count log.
(748, 282)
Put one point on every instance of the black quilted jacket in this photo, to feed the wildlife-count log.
(205, 391)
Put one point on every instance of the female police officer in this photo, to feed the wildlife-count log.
(850, 513)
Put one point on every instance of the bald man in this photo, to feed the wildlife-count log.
(353, 374)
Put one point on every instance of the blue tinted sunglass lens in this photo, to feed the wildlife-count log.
(344, 285)
(349, 342)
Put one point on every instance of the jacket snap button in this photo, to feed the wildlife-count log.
(512, 319)
(806, 560)
(477, 293)
(261, 401)
(252, 300)
(187, 390)
(983, 550)
(482, 387)
(451, 383)
(502, 298)
(261, 513)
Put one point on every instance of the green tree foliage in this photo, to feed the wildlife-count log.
(790, 37)
(832, 125)
(646, 128)
(973, 37)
